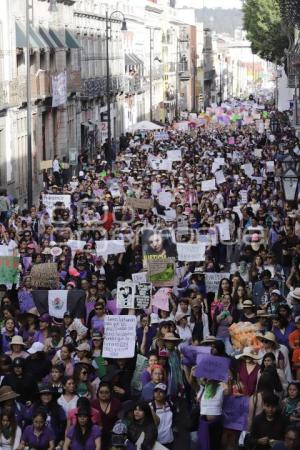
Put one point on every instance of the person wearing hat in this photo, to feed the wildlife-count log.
(37, 363)
(17, 346)
(175, 379)
(21, 382)
(295, 294)
(47, 401)
(248, 370)
(164, 410)
(269, 344)
(183, 328)
(84, 434)
(9, 404)
(248, 312)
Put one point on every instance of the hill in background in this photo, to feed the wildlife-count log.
(220, 20)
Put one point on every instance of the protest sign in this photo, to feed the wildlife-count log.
(132, 295)
(139, 277)
(161, 136)
(231, 140)
(224, 231)
(155, 187)
(160, 164)
(244, 197)
(235, 412)
(165, 198)
(212, 280)
(259, 180)
(75, 245)
(158, 243)
(9, 269)
(44, 165)
(208, 185)
(270, 166)
(190, 353)
(248, 169)
(215, 167)
(139, 203)
(161, 299)
(174, 155)
(181, 126)
(191, 252)
(220, 177)
(212, 367)
(45, 276)
(119, 337)
(258, 152)
(50, 200)
(110, 247)
(140, 365)
(161, 272)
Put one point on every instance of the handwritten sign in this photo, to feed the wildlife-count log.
(161, 299)
(50, 201)
(139, 203)
(110, 247)
(161, 272)
(44, 165)
(139, 277)
(174, 155)
(212, 280)
(191, 252)
(208, 185)
(212, 367)
(119, 337)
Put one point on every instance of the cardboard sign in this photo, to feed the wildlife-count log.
(212, 367)
(191, 252)
(161, 272)
(212, 280)
(44, 276)
(45, 165)
(139, 203)
(132, 295)
(119, 337)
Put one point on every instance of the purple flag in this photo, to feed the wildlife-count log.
(235, 412)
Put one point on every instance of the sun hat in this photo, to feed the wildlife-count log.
(171, 337)
(161, 386)
(84, 347)
(248, 353)
(180, 316)
(248, 304)
(209, 340)
(35, 348)
(295, 293)
(268, 336)
(6, 393)
(17, 340)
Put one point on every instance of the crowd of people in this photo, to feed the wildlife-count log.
(57, 390)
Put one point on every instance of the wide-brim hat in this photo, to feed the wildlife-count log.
(180, 316)
(248, 304)
(209, 340)
(248, 353)
(6, 393)
(171, 337)
(17, 340)
(296, 293)
(268, 336)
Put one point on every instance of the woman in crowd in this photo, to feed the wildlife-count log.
(83, 435)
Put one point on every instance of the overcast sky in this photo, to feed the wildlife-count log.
(220, 3)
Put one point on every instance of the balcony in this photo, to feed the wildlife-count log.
(74, 80)
(96, 87)
(132, 85)
(170, 68)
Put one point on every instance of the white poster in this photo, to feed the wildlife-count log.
(191, 252)
(139, 277)
(244, 197)
(57, 303)
(76, 245)
(49, 200)
(59, 89)
(270, 166)
(110, 247)
(160, 164)
(132, 295)
(155, 187)
(161, 136)
(258, 152)
(165, 198)
(224, 231)
(220, 177)
(212, 280)
(119, 336)
(248, 169)
(208, 185)
(174, 155)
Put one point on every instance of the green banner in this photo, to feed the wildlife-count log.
(9, 269)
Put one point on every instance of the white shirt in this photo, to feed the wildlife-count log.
(55, 165)
(212, 406)
(5, 443)
(67, 406)
(164, 429)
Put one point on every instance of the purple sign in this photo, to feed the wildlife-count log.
(235, 412)
(212, 367)
(190, 353)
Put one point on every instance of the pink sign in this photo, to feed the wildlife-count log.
(161, 299)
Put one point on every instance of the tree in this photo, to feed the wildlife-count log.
(265, 30)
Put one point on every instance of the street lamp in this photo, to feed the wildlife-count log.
(108, 20)
(290, 177)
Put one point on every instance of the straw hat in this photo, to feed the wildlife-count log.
(248, 304)
(171, 337)
(296, 293)
(248, 353)
(6, 393)
(180, 316)
(268, 336)
(17, 340)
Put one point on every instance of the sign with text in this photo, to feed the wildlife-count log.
(212, 367)
(139, 203)
(50, 200)
(235, 412)
(212, 280)
(119, 336)
(132, 295)
(110, 247)
(191, 252)
(161, 271)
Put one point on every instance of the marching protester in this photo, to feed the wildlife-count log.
(155, 302)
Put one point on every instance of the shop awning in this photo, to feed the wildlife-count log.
(47, 38)
(35, 39)
(71, 40)
(57, 39)
(128, 60)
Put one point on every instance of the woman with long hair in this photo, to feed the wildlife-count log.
(84, 434)
(142, 422)
(108, 407)
(82, 382)
(68, 400)
(38, 435)
(10, 432)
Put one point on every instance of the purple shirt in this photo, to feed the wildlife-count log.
(89, 443)
(40, 442)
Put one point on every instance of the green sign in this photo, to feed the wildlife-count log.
(9, 269)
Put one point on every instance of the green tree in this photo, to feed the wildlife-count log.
(265, 30)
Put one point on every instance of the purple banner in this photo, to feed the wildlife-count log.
(235, 412)
(212, 367)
